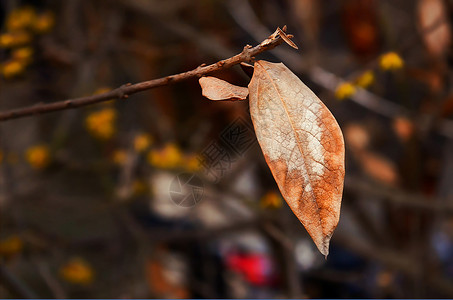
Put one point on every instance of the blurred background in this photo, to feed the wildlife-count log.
(167, 194)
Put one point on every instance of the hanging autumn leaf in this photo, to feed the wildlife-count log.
(303, 146)
(434, 26)
(217, 89)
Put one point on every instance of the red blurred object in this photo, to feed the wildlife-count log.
(360, 24)
(257, 269)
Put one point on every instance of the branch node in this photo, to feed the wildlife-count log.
(122, 93)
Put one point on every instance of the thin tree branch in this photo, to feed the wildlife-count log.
(124, 91)
(399, 197)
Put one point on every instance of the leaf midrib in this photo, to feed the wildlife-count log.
(298, 145)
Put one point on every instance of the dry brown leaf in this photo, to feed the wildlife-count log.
(217, 89)
(379, 167)
(161, 284)
(404, 128)
(357, 137)
(434, 26)
(303, 146)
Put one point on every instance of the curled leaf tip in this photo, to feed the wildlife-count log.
(247, 68)
(286, 37)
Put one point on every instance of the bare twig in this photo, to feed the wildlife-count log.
(399, 197)
(124, 91)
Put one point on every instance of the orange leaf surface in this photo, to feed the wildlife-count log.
(217, 89)
(303, 146)
(379, 168)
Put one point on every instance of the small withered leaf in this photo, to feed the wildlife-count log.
(287, 38)
(434, 26)
(217, 89)
(303, 146)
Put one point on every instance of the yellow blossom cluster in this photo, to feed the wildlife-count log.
(11, 245)
(14, 39)
(345, 90)
(348, 89)
(38, 156)
(26, 18)
(142, 141)
(365, 80)
(101, 124)
(21, 24)
(391, 61)
(388, 62)
(271, 200)
(102, 90)
(119, 157)
(192, 162)
(44, 22)
(77, 271)
(170, 157)
(139, 187)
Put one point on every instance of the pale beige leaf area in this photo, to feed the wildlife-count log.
(303, 146)
(217, 89)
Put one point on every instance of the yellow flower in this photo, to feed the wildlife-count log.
(11, 245)
(271, 200)
(191, 163)
(101, 124)
(23, 54)
(13, 39)
(345, 90)
(142, 142)
(20, 18)
(102, 90)
(43, 23)
(154, 158)
(119, 157)
(38, 156)
(77, 271)
(12, 68)
(139, 187)
(391, 61)
(167, 158)
(366, 79)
